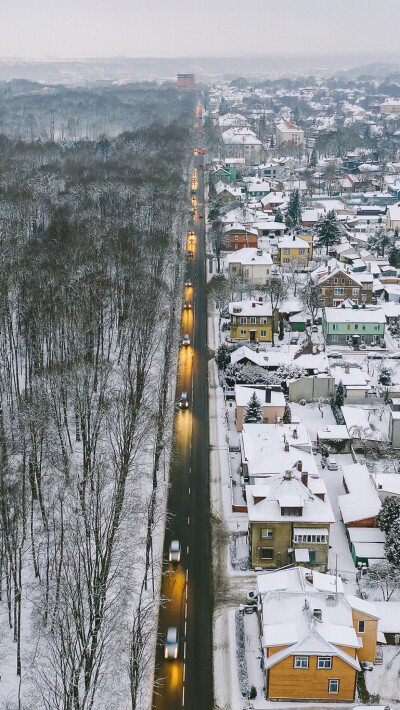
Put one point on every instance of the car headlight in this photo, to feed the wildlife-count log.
(166, 653)
(176, 653)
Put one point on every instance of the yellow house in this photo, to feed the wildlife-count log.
(252, 320)
(295, 249)
(310, 637)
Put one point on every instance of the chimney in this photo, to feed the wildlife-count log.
(288, 476)
(295, 434)
(260, 299)
(347, 369)
(294, 237)
(299, 465)
(253, 305)
(304, 478)
(287, 447)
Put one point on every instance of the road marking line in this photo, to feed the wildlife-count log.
(187, 550)
(184, 672)
(186, 610)
(185, 626)
(187, 575)
(189, 490)
(188, 521)
(183, 696)
(184, 650)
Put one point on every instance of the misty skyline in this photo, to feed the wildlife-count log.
(100, 28)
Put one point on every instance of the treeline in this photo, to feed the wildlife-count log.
(90, 254)
(30, 111)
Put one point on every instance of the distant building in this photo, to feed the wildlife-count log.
(186, 81)
(288, 132)
(390, 106)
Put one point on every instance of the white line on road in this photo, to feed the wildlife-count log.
(186, 610)
(185, 627)
(187, 550)
(189, 490)
(183, 696)
(187, 576)
(188, 521)
(184, 650)
(184, 672)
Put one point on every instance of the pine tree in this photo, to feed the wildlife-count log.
(281, 330)
(328, 231)
(293, 211)
(296, 115)
(389, 513)
(339, 399)
(253, 413)
(223, 356)
(287, 415)
(394, 255)
(392, 544)
(278, 215)
(313, 158)
(272, 142)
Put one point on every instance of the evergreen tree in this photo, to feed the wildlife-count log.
(223, 356)
(394, 255)
(314, 157)
(272, 142)
(281, 329)
(328, 230)
(253, 413)
(389, 513)
(278, 215)
(392, 543)
(287, 415)
(293, 212)
(223, 107)
(296, 115)
(339, 398)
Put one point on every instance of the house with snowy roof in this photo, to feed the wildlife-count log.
(242, 142)
(313, 635)
(272, 403)
(353, 325)
(288, 132)
(289, 518)
(393, 216)
(253, 265)
(338, 284)
(296, 249)
(360, 506)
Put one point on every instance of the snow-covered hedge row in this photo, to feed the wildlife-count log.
(241, 654)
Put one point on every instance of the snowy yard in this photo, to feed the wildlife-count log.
(384, 680)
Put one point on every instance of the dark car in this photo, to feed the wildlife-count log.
(188, 284)
(184, 401)
(187, 305)
(190, 252)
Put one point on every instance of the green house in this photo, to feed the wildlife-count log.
(224, 174)
(353, 326)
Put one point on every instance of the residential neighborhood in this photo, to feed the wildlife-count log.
(303, 250)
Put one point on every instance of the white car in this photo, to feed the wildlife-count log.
(332, 464)
(174, 551)
(186, 340)
(171, 646)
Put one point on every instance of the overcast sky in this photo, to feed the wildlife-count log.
(143, 28)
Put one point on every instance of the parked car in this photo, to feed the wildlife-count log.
(188, 283)
(187, 305)
(186, 340)
(332, 464)
(335, 355)
(174, 551)
(184, 401)
(191, 240)
(314, 329)
(190, 252)
(251, 597)
(201, 216)
(171, 646)
(294, 339)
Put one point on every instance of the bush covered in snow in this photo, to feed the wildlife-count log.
(238, 562)
(241, 654)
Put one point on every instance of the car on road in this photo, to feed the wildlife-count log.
(184, 401)
(335, 355)
(187, 305)
(192, 240)
(332, 464)
(171, 646)
(174, 554)
(200, 216)
(186, 340)
(195, 151)
(251, 597)
(188, 284)
(190, 252)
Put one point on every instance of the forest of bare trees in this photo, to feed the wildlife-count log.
(90, 253)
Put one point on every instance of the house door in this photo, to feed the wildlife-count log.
(253, 335)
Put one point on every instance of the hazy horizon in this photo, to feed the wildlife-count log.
(98, 29)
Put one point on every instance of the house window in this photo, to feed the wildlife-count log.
(355, 326)
(236, 237)
(263, 321)
(286, 251)
(253, 320)
(243, 321)
(234, 269)
(355, 291)
(361, 627)
(263, 333)
(301, 251)
(333, 685)
(335, 326)
(286, 261)
(376, 327)
(338, 291)
(335, 281)
(267, 553)
(291, 511)
(343, 281)
(324, 662)
(301, 661)
(267, 533)
(243, 333)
